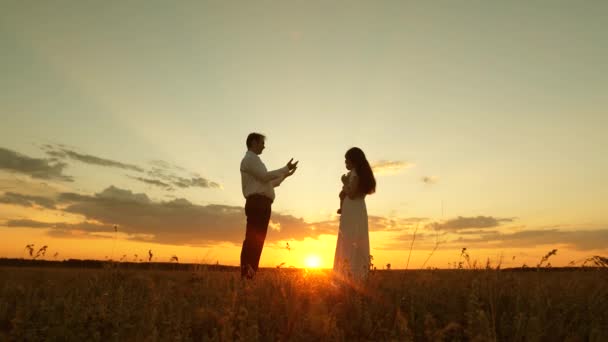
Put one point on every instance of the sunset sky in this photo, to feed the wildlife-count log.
(486, 123)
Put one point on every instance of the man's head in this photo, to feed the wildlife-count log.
(255, 143)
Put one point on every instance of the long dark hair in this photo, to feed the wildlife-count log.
(367, 182)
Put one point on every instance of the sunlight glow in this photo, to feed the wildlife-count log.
(312, 261)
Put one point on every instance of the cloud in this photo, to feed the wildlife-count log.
(179, 221)
(461, 222)
(578, 239)
(388, 167)
(12, 161)
(27, 200)
(430, 179)
(430, 234)
(66, 230)
(194, 182)
(424, 240)
(477, 232)
(28, 224)
(76, 234)
(154, 182)
(582, 240)
(388, 224)
(82, 226)
(63, 153)
(170, 178)
(166, 165)
(163, 174)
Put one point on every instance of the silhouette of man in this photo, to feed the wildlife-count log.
(258, 188)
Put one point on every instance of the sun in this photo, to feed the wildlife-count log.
(312, 261)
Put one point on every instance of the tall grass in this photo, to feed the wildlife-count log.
(286, 304)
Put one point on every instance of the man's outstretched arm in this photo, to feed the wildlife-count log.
(256, 169)
(277, 181)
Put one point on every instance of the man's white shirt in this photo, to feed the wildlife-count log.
(256, 179)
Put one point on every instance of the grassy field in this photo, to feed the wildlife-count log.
(118, 304)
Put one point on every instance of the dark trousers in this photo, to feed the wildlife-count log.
(257, 209)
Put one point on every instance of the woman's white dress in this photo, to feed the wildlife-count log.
(352, 249)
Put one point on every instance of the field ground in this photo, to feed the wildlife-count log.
(122, 304)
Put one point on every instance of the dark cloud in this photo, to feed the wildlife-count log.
(163, 174)
(28, 224)
(575, 239)
(154, 182)
(12, 161)
(477, 232)
(82, 226)
(581, 239)
(179, 221)
(444, 233)
(479, 222)
(159, 173)
(66, 230)
(56, 155)
(165, 165)
(161, 164)
(27, 200)
(64, 153)
(75, 234)
(181, 182)
(195, 182)
(430, 179)
(422, 241)
(379, 223)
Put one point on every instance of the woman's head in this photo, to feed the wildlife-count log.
(355, 159)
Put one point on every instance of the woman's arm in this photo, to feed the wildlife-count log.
(351, 188)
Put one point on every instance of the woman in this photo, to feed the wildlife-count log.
(352, 249)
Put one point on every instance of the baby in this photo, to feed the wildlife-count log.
(342, 194)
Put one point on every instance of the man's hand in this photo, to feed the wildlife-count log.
(291, 165)
(292, 171)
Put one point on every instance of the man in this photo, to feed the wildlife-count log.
(258, 188)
